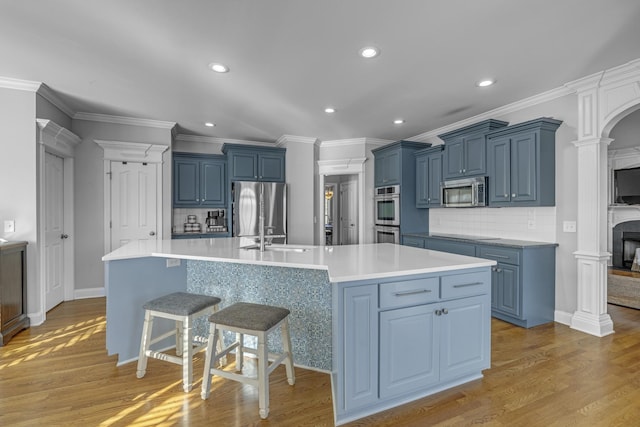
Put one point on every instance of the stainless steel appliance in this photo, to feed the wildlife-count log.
(248, 198)
(467, 192)
(387, 205)
(387, 234)
(216, 221)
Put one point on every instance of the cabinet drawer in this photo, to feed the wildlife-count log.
(409, 292)
(465, 284)
(509, 256)
(459, 248)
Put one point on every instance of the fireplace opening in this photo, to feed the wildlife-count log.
(630, 242)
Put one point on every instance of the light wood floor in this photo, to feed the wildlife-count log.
(58, 374)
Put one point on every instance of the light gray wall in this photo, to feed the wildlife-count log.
(18, 175)
(46, 110)
(89, 194)
(301, 158)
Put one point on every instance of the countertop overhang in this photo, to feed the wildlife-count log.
(342, 263)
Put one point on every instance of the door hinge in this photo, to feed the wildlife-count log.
(110, 224)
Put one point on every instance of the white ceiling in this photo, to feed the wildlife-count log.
(290, 59)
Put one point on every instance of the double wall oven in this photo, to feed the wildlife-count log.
(387, 214)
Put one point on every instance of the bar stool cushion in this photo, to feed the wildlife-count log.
(181, 303)
(255, 317)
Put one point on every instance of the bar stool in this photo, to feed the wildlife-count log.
(184, 308)
(251, 319)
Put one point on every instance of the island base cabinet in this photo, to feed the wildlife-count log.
(408, 363)
(402, 339)
(361, 354)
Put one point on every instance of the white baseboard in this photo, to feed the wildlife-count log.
(562, 317)
(88, 293)
(36, 318)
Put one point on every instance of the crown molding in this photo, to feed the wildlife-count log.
(215, 140)
(355, 141)
(47, 93)
(56, 138)
(285, 139)
(17, 84)
(497, 112)
(343, 166)
(121, 120)
(121, 151)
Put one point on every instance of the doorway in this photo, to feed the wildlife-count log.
(54, 235)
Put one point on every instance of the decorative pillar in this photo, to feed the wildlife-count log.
(591, 255)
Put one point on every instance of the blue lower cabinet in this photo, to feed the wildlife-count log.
(406, 338)
(416, 242)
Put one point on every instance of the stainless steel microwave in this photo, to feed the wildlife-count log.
(467, 192)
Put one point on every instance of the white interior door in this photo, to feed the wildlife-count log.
(54, 230)
(348, 212)
(133, 202)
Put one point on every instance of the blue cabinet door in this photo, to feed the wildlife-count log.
(507, 282)
(524, 167)
(434, 180)
(360, 346)
(387, 167)
(408, 350)
(271, 167)
(213, 183)
(186, 182)
(244, 166)
(422, 181)
(453, 159)
(465, 325)
(475, 155)
(499, 166)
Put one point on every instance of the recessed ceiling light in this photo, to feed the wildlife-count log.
(486, 82)
(398, 121)
(209, 124)
(219, 68)
(369, 52)
(329, 110)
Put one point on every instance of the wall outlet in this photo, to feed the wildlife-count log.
(173, 262)
(569, 226)
(531, 224)
(9, 226)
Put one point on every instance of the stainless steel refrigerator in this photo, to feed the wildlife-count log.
(247, 198)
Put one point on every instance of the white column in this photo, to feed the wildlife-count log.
(592, 257)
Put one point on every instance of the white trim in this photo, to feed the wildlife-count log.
(497, 112)
(47, 93)
(121, 120)
(214, 140)
(284, 139)
(135, 152)
(562, 317)
(17, 84)
(89, 293)
(59, 141)
(342, 167)
(355, 141)
(132, 151)
(36, 318)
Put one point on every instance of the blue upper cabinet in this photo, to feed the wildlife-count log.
(199, 180)
(428, 177)
(253, 163)
(465, 149)
(387, 167)
(521, 164)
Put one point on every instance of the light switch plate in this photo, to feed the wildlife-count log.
(9, 226)
(569, 226)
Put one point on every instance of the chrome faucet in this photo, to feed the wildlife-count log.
(265, 228)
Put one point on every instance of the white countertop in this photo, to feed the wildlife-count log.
(343, 263)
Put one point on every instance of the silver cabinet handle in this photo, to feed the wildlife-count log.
(506, 195)
(445, 311)
(412, 292)
(464, 285)
(438, 312)
(513, 195)
(152, 233)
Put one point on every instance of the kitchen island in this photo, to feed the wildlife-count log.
(390, 323)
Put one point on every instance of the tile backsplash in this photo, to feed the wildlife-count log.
(537, 224)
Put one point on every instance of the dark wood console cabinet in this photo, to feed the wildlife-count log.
(13, 290)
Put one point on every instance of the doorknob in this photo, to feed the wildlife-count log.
(152, 233)
(64, 236)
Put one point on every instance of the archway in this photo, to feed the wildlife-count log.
(603, 100)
